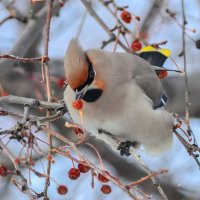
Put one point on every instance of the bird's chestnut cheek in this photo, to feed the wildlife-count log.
(92, 95)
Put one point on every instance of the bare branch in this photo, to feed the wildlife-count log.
(34, 25)
(17, 58)
(48, 86)
(102, 24)
(187, 100)
(5, 19)
(34, 102)
(24, 186)
(149, 172)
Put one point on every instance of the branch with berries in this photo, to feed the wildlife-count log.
(22, 132)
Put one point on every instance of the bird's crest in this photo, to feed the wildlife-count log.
(76, 65)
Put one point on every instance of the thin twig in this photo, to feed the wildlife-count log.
(101, 23)
(188, 147)
(162, 171)
(49, 96)
(187, 100)
(24, 42)
(81, 24)
(113, 13)
(149, 172)
(173, 16)
(25, 60)
(10, 155)
(5, 19)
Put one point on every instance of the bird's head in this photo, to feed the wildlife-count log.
(80, 73)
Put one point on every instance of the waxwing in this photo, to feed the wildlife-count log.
(122, 98)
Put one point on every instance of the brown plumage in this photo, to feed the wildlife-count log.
(77, 73)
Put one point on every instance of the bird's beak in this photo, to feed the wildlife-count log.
(78, 95)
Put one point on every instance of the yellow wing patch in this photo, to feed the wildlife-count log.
(165, 52)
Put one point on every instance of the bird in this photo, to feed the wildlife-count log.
(122, 98)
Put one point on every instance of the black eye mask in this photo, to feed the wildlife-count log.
(92, 95)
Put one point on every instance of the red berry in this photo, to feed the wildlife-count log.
(61, 82)
(74, 173)
(162, 74)
(106, 189)
(3, 171)
(136, 45)
(178, 125)
(83, 168)
(77, 104)
(126, 16)
(62, 189)
(102, 178)
(17, 161)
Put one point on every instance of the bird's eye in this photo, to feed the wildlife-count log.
(92, 74)
(92, 95)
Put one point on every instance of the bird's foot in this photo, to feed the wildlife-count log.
(124, 147)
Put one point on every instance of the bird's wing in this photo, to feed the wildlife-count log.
(147, 80)
(129, 67)
(154, 56)
(152, 89)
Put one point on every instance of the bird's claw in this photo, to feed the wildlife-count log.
(124, 147)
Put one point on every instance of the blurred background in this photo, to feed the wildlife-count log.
(72, 20)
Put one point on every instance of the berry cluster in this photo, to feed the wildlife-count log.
(75, 173)
(106, 189)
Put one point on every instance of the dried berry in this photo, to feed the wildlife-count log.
(126, 16)
(61, 3)
(137, 18)
(83, 168)
(162, 74)
(74, 173)
(106, 189)
(77, 104)
(102, 178)
(198, 44)
(136, 45)
(3, 171)
(62, 189)
(78, 131)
